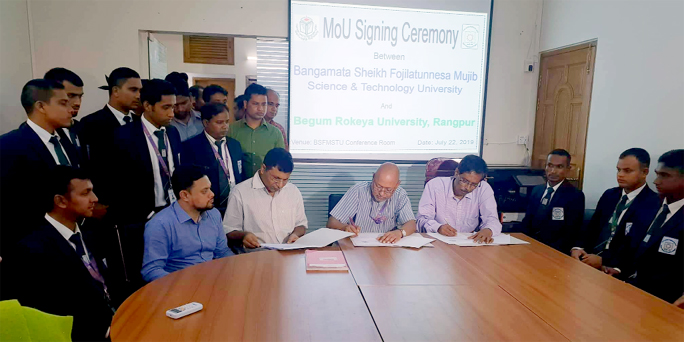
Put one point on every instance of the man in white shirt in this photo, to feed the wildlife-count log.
(266, 208)
(28, 153)
(60, 254)
(73, 85)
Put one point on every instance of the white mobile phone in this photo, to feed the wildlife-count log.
(184, 310)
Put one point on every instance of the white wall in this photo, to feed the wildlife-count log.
(94, 37)
(15, 61)
(638, 80)
(244, 47)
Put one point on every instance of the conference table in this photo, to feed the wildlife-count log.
(442, 293)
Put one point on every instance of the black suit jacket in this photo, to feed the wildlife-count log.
(198, 151)
(97, 129)
(130, 181)
(51, 277)
(25, 164)
(562, 232)
(598, 232)
(653, 270)
(76, 145)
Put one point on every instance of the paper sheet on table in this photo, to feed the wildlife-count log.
(319, 238)
(371, 240)
(461, 239)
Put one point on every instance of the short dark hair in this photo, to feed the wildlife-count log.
(118, 77)
(195, 91)
(211, 90)
(60, 182)
(38, 90)
(560, 152)
(240, 101)
(279, 157)
(184, 176)
(472, 163)
(154, 89)
(673, 159)
(210, 110)
(61, 74)
(254, 89)
(179, 82)
(640, 154)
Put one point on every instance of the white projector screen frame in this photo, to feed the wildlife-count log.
(430, 6)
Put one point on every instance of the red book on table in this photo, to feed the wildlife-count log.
(325, 261)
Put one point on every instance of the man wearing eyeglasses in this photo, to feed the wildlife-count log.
(555, 212)
(378, 206)
(460, 204)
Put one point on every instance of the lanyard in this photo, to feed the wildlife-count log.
(156, 151)
(218, 157)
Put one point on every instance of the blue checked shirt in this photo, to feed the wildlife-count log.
(358, 202)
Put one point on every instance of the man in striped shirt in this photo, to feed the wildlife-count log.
(379, 206)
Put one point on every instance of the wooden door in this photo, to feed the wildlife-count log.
(227, 83)
(563, 98)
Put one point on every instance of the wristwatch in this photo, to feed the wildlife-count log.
(403, 232)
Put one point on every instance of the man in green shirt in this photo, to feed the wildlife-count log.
(255, 135)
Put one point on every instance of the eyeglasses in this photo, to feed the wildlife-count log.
(381, 190)
(278, 180)
(468, 184)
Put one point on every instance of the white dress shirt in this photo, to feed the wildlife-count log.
(630, 197)
(159, 195)
(226, 155)
(673, 208)
(555, 189)
(45, 138)
(67, 233)
(271, 218)
(119, 115)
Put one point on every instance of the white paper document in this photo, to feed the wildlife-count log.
(371, 240)
(461, 239)
(319, 238)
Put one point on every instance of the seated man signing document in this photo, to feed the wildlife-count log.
(379, 206)
(460, 204)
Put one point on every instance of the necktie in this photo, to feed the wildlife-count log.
(547, 198)
(61, 157)
(127, 119)
(76, 239)
(619, 209)
(74, 138)
(161, 145)
(657, 225)
(224, 179)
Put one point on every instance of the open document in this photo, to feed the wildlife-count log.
(462, 239)
(319, 238)
(371, 240)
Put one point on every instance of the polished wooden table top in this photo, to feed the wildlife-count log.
(446, 293)
(262, 296)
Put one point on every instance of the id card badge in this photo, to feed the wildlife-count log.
(172, 197)
(628, 227)
(239, 164)
(668, 246)
(558, 214)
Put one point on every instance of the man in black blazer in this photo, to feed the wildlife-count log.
(61, 271)
(143, 156)
(555, 210)
(73, 85)
(28, 153)
(220, 155)
(657, 250)
(617, 211)
(97, 129)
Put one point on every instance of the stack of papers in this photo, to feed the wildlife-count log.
(371, 240)
(325, 261)
(461, 239)
(316, 239)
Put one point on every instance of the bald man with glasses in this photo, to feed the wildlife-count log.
(378, 206)
(460, 204)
